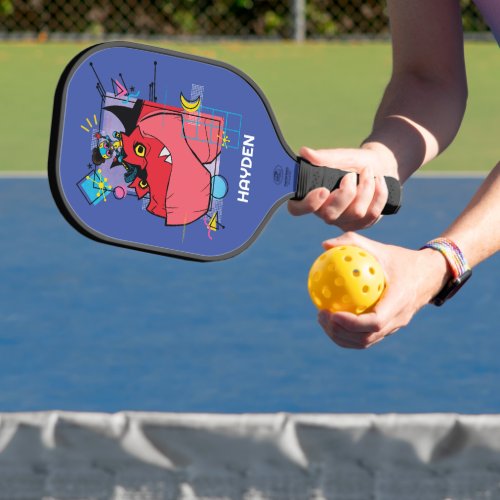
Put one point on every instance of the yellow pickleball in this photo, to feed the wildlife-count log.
(346, 278)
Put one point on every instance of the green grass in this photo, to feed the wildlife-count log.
(323, 94)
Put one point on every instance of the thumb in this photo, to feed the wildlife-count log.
(349, 238)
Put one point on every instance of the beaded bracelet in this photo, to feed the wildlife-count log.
(459, 267)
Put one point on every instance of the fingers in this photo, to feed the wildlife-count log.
(352, 238)
(364, 195)
(355, 332)
(365, 207)
(357, 203)
(380, 196)
(337, 201)
(365, 330)
(407, 290)
(310, 204)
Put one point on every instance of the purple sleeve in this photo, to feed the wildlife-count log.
(490, 9)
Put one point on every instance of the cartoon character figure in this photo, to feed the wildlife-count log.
(108, 148)
(165, 150)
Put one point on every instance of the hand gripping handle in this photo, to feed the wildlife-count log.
(312, 177)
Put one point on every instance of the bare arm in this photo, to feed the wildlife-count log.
(424, 102)
(418, 117)
(477, 230)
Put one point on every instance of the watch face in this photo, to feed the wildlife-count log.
(451, 288)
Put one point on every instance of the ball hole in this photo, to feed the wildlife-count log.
(372, 270)
(379, 287)
(366, 289)
(360, 309)
(362, 254)
(339, 281)
(346, 299)
(356, 273)
(348, 258)
(327, 293)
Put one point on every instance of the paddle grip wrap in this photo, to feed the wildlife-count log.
(312, 177)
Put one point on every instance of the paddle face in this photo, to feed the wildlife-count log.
(164, 152)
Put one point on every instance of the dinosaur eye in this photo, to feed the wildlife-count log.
(140, 150)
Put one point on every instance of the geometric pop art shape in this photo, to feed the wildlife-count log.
(95, 187)
(219, 187)
(213, 223)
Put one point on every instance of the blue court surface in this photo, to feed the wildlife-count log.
(91, 327)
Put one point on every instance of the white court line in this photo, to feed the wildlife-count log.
(23, 174)
(454, 174)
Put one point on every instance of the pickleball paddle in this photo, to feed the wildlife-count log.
(172, 153)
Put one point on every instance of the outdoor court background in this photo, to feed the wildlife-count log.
(323, 94)
(89, 327)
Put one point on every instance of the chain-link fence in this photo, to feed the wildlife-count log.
(190, 18)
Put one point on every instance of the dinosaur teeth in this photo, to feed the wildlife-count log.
(166, 153)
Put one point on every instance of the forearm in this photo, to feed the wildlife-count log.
(416, 120)
(424, 103)
(477, 230)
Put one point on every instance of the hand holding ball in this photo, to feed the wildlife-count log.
(346, 278)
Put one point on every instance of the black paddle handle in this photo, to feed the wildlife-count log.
(312, 177)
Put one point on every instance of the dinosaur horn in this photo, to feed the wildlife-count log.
(128, 116)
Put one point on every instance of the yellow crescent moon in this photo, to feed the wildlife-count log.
(190, 106)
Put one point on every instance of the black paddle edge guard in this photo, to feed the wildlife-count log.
(312, 177)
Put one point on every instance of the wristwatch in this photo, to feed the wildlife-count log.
(460, 270)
